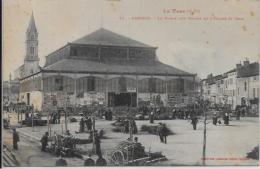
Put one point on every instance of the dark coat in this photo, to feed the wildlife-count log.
(164, 131)
(44, 140)
(194, 120)
(98, 147)
(16, 137)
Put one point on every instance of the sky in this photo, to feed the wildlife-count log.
(198, 36)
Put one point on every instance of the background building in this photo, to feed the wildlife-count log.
(11, 91)
(248, 84)
(239, 86)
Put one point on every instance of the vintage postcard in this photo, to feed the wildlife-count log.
(130, 83)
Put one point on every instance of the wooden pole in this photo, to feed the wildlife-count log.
(61, 128)
(137, 104)
(32, 118)
(166, 89)
(204, 137)
(18, 117)
(48, 121)
(131, 129)
(93, 130)
(66, 126)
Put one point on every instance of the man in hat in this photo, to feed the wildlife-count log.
(159, 131)
(151, 117)
(44, 141)
(194, 122)
(164, 132)
(68, 133)
(97, 144)
(215, 119)
(238, 113)
(81, 125)
(110, 114)
(173, 113)
(226, 119)
(89, 123)
(16, 139)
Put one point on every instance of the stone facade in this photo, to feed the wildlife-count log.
(239, 86)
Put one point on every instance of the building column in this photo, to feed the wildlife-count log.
(194, 91)
(166, 89)
(106, 90)
(99, 53)
(248, 91)
(127, 53)
(75, 89)
(136, 90)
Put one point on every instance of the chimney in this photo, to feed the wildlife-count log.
(239, 65)
(10, 77)
(210, 76)
(246, 62)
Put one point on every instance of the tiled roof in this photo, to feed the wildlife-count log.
(120, 67)
(108, 38)
(232, 70)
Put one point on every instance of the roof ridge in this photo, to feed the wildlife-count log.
(107, 37)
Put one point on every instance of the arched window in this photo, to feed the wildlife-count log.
(32, 37)
(245, 86)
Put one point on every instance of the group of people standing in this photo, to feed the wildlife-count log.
(126, 126)
(55, 117)
(85, 122)
(216, 120)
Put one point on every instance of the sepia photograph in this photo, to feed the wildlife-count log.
(122, 83)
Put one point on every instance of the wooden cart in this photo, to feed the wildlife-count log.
(129, 153)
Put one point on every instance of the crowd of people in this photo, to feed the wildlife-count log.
(87, 123)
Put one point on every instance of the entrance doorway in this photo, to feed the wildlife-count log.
(122, 99)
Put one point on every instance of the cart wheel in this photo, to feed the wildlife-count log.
(118, 158)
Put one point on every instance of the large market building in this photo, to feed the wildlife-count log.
(104, 68)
